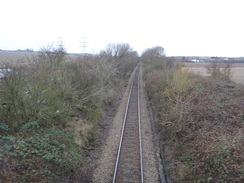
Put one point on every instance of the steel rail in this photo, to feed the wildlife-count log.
(139, 121)
(122, 132)
(123, 129)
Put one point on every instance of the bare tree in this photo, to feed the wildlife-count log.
(122, 55)
(153, 54)
(117, 51)
(55, 56)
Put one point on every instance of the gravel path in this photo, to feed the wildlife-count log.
(105, 167)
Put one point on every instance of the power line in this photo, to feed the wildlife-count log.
(84, 45)
(60, 45)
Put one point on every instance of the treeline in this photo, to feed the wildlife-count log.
(50, 108)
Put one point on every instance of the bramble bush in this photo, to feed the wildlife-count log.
(200, 123)
(40, 155)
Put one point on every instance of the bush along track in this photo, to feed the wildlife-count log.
(40, 155)
(200, 122)
(50, 109)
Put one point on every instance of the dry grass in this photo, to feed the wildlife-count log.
(200, 68)
(15, 57)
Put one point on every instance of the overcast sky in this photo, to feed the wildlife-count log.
(182, 27)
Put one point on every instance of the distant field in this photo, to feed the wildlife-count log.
(7, 57)
(22, 57)
(200, 68)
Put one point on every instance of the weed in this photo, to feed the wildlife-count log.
(35, 157)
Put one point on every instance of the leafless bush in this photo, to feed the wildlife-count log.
(122, 55)
(53, 105)
(220, 69)
(54, 56)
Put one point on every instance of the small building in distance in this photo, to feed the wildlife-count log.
(198, 60)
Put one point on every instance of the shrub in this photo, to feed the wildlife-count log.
(220, 69)
(122, 57)
(176, 96)
(200, 123)
(52, 93)
(50, 108)
(31, 94)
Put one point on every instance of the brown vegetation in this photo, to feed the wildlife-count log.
(200, 123)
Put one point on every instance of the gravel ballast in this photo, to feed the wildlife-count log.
(106, 163)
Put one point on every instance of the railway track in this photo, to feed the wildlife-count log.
(128, 167)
